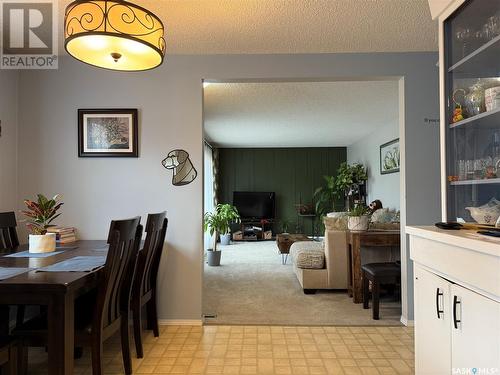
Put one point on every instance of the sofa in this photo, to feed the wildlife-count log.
(321, 265)
(324, 265)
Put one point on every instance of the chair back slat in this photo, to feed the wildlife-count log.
(8, 233)
(114, 290)
(150, 256)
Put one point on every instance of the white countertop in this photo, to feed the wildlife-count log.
(462, 238)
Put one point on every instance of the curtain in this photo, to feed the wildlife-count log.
(208, 187)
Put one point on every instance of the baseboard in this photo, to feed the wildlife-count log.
(180, 322)
(406, 322)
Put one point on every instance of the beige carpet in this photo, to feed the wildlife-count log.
(252, 287)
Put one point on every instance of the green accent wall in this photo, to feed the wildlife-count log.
(292, 173)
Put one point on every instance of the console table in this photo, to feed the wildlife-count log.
(356, 240)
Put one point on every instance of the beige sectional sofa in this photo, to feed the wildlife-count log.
(333, 273)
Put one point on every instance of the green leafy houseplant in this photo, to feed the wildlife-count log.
(359, 217)
(325, 196)
(41, 213)
(359, 210)
(219, 221)
(349, 177)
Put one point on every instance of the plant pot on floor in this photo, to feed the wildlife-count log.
(213, 258)
(225, 239)
(42, 243)
(358, 222)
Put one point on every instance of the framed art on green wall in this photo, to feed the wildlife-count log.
(389, 157)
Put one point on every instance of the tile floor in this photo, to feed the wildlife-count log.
(260, 350)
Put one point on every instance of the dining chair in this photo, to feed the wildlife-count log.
(144, 286)
(109, 304)
(8, 233)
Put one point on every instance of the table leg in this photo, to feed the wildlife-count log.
(349, 270)
(61, 332)
(357, 292)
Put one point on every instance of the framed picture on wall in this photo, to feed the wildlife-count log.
(389, 157)
(107, 133)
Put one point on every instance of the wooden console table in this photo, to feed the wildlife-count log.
(356, 240)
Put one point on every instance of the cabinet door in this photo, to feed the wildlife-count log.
(475, 331)
(432, 324)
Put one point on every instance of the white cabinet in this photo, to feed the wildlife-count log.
(475, 334)
(456, 329)
(432, 323)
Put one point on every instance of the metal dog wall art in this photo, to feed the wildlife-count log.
(184, 171)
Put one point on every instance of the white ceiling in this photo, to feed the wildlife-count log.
(297, 114)
(292, 26)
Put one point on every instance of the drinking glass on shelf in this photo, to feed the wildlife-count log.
(464, 37)
(469, 169)
(462, 172)
(479, 169)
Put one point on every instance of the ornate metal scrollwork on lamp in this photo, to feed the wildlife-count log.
(115, 35)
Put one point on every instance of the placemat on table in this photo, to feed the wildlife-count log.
(76, 264)
(7, 272)
(27, 254)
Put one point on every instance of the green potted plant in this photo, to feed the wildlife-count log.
(41, 213)
(359, 218)
(219, 223)
(325, 196)
(348, 181)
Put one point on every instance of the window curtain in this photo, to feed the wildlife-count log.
(209, 187)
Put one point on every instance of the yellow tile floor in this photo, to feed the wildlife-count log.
(260, 350)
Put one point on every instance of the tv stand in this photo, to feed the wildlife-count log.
(256, 230)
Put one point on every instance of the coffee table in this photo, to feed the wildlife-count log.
(285, 241)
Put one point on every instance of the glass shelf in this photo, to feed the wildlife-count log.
(486, 119)
(483, 60)
(476, 182)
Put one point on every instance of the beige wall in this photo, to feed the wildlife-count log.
(8, 140)
(169, 100)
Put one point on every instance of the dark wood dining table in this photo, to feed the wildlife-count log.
(375, 239)
(55, 290)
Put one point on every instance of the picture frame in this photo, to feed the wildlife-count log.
(108, 132)
(390, 157)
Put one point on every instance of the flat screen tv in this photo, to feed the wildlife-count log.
(254, 205)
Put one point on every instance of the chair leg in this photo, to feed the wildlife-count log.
(20, 315)
(96, 352)
(152, 316)
(366, 291)
(11, 368)
(375, 298)
(125, 340)
(136, 311)
(22, 358)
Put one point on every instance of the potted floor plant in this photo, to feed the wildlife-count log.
(218, 223)
(41, 213)
(359, 218)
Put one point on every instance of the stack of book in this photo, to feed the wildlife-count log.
(64, 234)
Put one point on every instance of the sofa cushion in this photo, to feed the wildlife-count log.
(308, 255)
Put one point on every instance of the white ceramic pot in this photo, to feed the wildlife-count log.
(358, 222)
(44, 243)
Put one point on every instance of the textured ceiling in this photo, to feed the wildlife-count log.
(292, 26)
(299, 114)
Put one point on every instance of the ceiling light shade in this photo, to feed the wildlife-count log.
(115, 35)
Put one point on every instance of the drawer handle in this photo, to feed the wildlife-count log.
(455, 320)
(438, 311)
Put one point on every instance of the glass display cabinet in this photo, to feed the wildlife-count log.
(471, 75)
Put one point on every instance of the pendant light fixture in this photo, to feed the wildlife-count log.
(114, 34)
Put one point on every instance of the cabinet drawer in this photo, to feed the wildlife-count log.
(474, 270)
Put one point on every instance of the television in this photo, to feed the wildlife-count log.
(254, 205)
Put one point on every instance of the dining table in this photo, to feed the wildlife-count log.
(49, 280)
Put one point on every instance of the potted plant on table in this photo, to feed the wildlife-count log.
(218, 223)
(349, 180)
(359, 218)
(41, 213)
